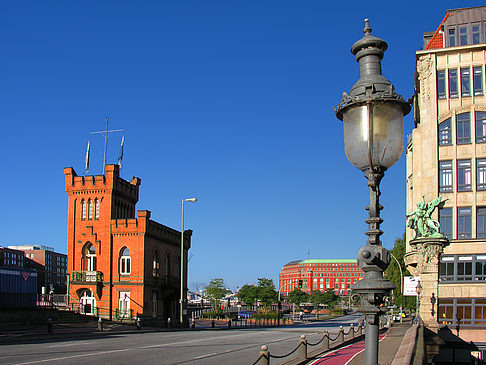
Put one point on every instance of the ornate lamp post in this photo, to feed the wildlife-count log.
(372, 115)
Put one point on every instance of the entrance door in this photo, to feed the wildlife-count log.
(155, 305)
(88, 303)
(124, 304)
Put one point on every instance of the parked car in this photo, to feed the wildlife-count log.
(245, 314)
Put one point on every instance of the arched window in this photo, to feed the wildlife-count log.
(90, 209)
(125, 261)
(445, 133)
(88, 260)
(83, 209)
(97, 208)
(155, 265)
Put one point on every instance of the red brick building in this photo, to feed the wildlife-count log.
(320, 274)
(120, 266)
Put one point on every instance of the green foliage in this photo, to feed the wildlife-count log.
(216, 290)
(393, 274)
(297, 296)
(269, 315)
(264, 291)
(327, 297)
(218, 314)
(248, 294)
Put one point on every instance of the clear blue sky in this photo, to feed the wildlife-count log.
(228, 101)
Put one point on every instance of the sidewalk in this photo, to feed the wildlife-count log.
(21, 332)
(388, 347)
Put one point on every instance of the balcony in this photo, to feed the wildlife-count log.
(87, 276)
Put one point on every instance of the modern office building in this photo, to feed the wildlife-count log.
(446, 155)
(320, 274)
(54, 265)
(120, 266)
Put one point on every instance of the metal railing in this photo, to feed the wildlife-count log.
(326, 343)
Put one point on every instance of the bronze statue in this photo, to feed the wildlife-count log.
(420, 219)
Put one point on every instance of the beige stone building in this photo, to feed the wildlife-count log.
(446, 154)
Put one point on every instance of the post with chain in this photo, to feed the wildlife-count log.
(264, 356)
(303, 347)
(325, 341)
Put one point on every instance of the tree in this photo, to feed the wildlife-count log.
(329, 298)
(266, 292)
(248, 294)
(393, 273)
(297, 296)
(216, 290)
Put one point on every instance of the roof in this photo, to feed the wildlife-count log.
(323, 261)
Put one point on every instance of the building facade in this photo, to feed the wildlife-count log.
(446, 155)
(18, 279)
(120, 266)
(319, 274)
(54, 265)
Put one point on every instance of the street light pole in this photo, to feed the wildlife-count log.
(401, 272)
(181, 299)
(372, 115)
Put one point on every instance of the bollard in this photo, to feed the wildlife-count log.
(193, 323)
(212, 323)
(351, 330)
(168, 322)
(100, 325)
(138, 324)
(303, 348)
(264, 356)
(341, 334)
(325, 341)
(49, 326)
(360, 329)
(229, 323)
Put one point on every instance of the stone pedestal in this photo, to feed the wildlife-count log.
(423, 261)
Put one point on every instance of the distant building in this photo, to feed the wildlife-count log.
(18, 279)
(121, 265)
(446, 155)
(320, 274)
(54, 266)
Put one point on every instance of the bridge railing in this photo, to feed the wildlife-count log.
(326, 343)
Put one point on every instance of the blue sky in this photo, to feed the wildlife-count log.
(228, 101)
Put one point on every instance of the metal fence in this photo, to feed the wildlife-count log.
(324, 344)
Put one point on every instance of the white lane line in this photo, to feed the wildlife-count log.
(75, 343)
(73, 356)
(204, 356)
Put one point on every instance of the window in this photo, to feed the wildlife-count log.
(481, 174)
(446, 269)
(155, 265)
(480, 118)
(463, 35)
(441, 85)
(475, 34)
(464, 268)
(125, 261)
(452, 37)
(90, 209)
(445, 221)
(97, 208)
(465, 82)
(463, 175)
(464, 222)
(445, 133)
(478, 80)
(480, 273)
(463, 128)
(89, 258)
(481, 222)
(453, 92)
(83, 209)
(445, 176)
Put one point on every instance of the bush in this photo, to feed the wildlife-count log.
(269, 315)
(218, 314)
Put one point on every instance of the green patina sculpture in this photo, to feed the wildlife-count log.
(420, 219)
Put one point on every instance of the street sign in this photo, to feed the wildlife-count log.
(410, 285)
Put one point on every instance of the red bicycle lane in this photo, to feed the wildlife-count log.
(342, 355)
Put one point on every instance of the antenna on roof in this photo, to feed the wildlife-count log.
(105, 133)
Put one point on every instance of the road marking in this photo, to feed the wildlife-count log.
(75, 343)
(72, 357)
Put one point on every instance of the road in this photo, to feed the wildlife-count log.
(235, 346)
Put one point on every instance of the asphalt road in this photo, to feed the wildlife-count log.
(235, 346)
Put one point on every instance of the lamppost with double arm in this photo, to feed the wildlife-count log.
(372, 115)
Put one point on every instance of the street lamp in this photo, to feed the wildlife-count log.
(418, 289)
(181, 300)
(372, 115)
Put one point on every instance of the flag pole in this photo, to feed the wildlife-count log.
(106, 134)
(106, 142)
